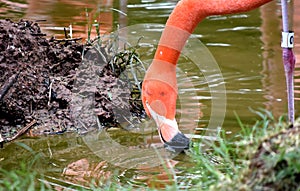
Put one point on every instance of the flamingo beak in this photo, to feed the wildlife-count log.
(169, 133)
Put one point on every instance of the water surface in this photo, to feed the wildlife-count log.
(246, 48)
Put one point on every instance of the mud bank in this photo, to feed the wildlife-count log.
(37, 79)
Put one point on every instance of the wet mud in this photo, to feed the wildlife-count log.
(40, 78)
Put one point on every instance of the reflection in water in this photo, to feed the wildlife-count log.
(81, 15)
(67, 161)
(82, 172)
(158, 177)
(233, 40)
(9, 9)
(273, 80)
(274, 83)
(296, 27)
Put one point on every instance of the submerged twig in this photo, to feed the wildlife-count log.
(49, 149)
(119, 11)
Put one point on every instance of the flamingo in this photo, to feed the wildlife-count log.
(159, 88)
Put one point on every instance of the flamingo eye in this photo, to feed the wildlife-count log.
(162, 94)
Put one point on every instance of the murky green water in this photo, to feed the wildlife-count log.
(246, 48)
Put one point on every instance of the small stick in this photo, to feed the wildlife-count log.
(1, 141)
(50, 92)
(66, 36)
(7, 85)
(40, 20)
(71, 31)
(49, 149)
(83, 125)
(22, 131)
(38, 34)
(67, 40)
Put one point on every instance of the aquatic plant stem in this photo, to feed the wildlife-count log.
(288, 59)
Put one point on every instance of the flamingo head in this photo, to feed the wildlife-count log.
(159, 101)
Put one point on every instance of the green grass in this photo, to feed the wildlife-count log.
(18, 179)
(264, 156)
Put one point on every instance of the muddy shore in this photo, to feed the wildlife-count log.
(39, 76)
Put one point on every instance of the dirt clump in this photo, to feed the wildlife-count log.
(275, 164)
(38, 78)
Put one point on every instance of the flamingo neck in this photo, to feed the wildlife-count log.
(186, 16)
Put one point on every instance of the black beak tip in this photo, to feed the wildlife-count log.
(178, 143)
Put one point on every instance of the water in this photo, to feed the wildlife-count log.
(247, 51)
